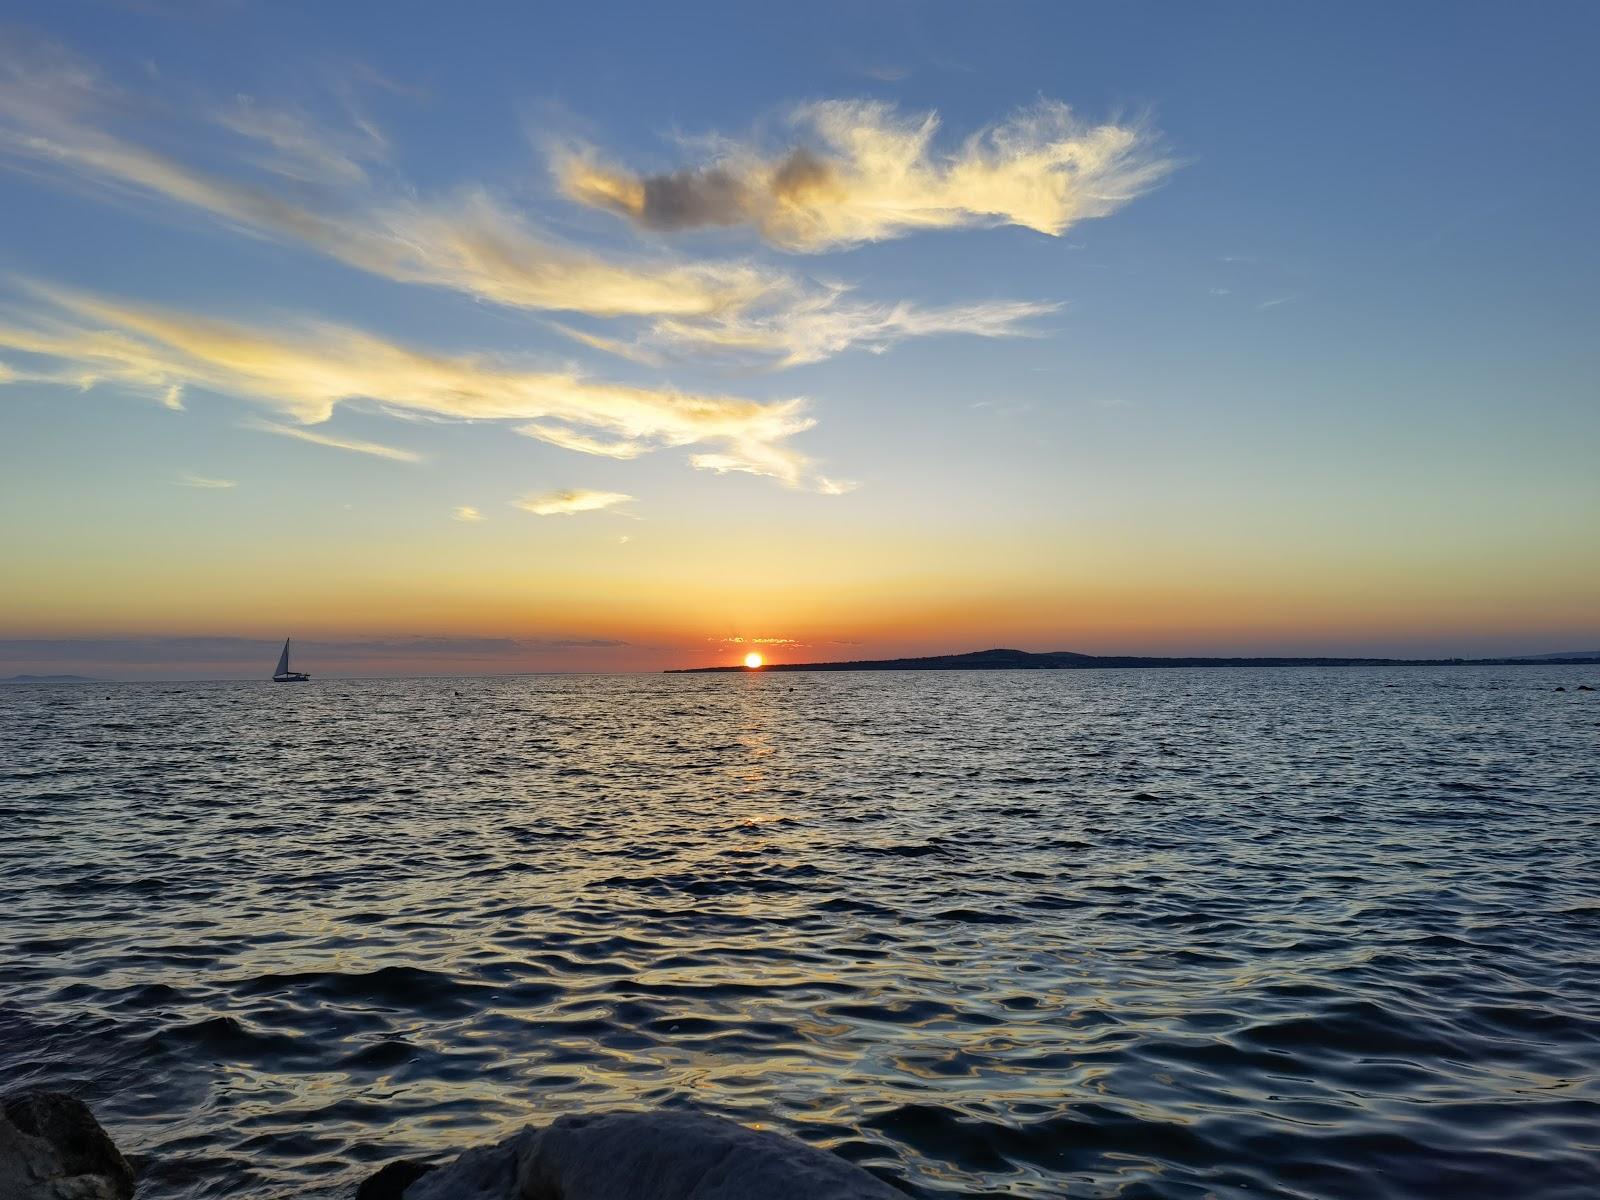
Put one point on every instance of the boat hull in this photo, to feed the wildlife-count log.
(292, 677)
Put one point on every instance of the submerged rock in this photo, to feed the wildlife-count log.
(648, 1156)
(52, 1148)
(487, 1173)
(682, 1156)
(392, 1180)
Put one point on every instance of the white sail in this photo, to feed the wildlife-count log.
(283, 659)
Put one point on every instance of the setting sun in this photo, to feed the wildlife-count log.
(752, 660)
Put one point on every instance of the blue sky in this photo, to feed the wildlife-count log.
(1312, 370)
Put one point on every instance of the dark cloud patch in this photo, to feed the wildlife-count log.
(803, 174)
(691, 199)
(708, 196)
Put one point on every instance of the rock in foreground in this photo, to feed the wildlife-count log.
(52, 1148)
(649, 1156)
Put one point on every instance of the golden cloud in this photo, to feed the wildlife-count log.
(573, 500)
(305, 371)
(875, 173)
(56, 110)
(318, 438)
(819, 327)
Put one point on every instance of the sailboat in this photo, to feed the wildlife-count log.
(283, 674)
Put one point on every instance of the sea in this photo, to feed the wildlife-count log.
(1107, 933)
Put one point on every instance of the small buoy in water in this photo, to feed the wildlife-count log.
(1584, 687)
(1561, 689)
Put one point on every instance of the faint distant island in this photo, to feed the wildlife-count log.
(1067, 660)
(49, 679)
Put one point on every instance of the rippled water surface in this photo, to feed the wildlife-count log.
(1096, 933)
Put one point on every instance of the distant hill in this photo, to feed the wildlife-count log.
(1565, 656)
(1067, 660)
(49, 679)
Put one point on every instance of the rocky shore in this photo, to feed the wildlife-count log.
(52, 1148)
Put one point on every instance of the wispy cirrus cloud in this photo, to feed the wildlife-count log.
(862, 171)
(306, 369)
(205, 481)
(57, 113)
(469, 245)
(318, 438)
(855, 171)
(571, 501)
(571, 439)
(813, 326)
(465, 512)
(825, 325)
(835, 487)
(300, 147)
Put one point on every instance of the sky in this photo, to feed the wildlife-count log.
(505, 337)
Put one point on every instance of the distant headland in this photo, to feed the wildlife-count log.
(1067, 660)
(49, 679)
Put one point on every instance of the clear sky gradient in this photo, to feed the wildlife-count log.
(608, 337)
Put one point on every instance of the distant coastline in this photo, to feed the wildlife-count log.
(49, 679)
(1067, 660)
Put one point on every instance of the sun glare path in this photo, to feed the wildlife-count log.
(753, 660)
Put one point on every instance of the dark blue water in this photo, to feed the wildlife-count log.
(1231, 933)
